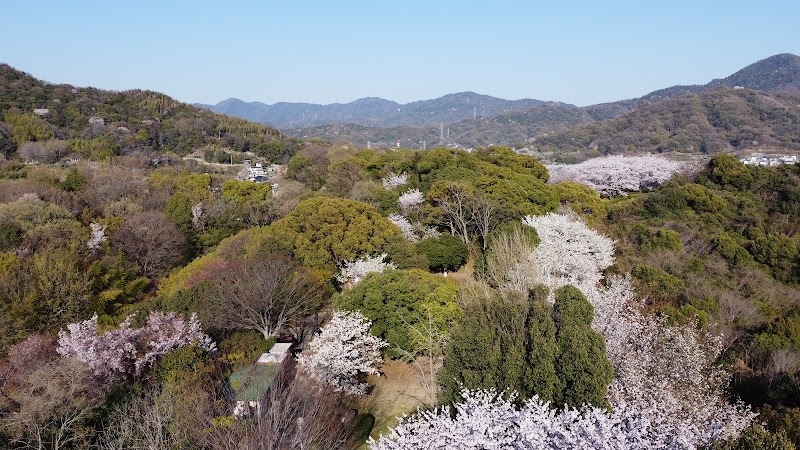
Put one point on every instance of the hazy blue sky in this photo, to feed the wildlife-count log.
(580, 52)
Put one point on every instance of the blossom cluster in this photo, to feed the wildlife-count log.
(486, 420)
(405, 227)
(354, 271)
(569, 252)
(667, 373)
(97, 237)
(410, 200)
(342, 351)
(617, 175)
(129, 350)
(393, 180)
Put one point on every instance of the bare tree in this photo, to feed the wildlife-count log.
(52, 403)
(483, 213)
(297, 414)
(509, 264)
(269, 294)
(454, 200)
(145, 422)
(430, 337)
(781, 362)
(48, 151)
(150, 240)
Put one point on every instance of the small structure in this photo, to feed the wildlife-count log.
(763, 160)
(258, 173)
(251, 384)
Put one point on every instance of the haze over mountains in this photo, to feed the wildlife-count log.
(470, 120)
(373, 111)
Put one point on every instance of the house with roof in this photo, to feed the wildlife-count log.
(251, 384)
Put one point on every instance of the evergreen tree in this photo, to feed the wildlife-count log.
(476, 355)
(584, 371)
(510, 344)
(540, 374)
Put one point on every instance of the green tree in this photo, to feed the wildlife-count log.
(584, 371)
(540, 376)
(248, 201)
(756, 437)
(326, 232)
(245, 192)
(10, 236)
(487, 349)
(444, 252)
(274, 150)
(74, 181)
(397, 300)
(510, 343)
(728, 171)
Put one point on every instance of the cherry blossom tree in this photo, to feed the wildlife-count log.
(617, 175)
(410, 200)
(569, 252)
(353, 271)
(487, 420)
(667, 373)
(130, 350)
(97, 237)
(405, 227)
(342, 351)
(393, 180)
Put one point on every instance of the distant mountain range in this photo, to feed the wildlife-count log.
(472, 120)
(373, 111)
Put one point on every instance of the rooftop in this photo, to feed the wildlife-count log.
(251, 383)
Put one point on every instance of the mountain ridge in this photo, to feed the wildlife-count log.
(374, 111)
(774, 73)
(779, 73)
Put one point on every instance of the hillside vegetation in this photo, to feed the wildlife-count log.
(507, 128)
(135, 297)
(45, 122)
(722, 120)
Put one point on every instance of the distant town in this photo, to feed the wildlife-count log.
(764, 160)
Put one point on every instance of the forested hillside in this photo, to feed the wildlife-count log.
(473, 120)
(721, 120)
(470, 293)
(507, 128)
(45, 122)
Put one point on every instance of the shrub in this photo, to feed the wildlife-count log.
(444, 252)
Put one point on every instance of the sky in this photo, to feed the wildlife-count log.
(579, 52)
